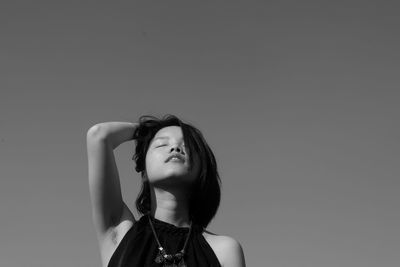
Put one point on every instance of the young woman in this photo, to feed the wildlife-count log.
(180, 195)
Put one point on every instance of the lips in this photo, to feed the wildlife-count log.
(178, 157)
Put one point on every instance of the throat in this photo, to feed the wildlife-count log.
(170, 208)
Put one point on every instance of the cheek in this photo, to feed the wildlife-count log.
(153, 162)
(149, 161)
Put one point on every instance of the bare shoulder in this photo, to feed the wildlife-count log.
(227, 249)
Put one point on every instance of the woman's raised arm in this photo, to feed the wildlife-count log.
(108, 208)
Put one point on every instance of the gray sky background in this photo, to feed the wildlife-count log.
(298, 99)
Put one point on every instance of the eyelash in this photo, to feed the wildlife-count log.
(161, 145)
(166, 145)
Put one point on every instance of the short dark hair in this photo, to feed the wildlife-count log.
(206, 196)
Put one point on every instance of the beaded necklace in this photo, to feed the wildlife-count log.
(169, 260)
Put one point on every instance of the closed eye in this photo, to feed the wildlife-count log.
(161, 145)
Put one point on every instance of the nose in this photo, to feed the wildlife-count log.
(177, 149)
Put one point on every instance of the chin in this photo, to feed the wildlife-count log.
(175, 170)
(174, 174)
(171, 177)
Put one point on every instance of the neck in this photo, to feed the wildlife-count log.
(170, 206)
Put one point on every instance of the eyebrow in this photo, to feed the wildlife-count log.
(161, 137)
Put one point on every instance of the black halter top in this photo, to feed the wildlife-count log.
(138, 248)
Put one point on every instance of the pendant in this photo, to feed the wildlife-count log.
(161, 256)
(182, 263)
(168, 260)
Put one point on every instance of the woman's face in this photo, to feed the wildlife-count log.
(167, 161)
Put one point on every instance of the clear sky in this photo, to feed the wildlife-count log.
(298, 99)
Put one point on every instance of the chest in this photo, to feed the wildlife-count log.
(123, 240)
